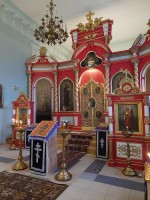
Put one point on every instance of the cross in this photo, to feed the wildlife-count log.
(126, 73)
(37, 152)
(88, 16)
(102, 143)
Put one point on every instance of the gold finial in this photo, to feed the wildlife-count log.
(91, 25)
(43, 51)
(88, 16)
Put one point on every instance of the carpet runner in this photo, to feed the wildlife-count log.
(15, 186)
(71, 157)
(79, 141)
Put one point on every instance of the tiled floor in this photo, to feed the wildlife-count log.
(91, 179)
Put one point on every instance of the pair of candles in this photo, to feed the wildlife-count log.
(16, 122)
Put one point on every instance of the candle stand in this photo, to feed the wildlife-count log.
(63, 175)
(13, 146)
(20, 165)
(128, 171)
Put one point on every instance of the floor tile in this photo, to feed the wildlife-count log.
(88, 176)
(99, 187)
(82, 183)
(118, 192)
(75, 192)
(120, 182)
(136, 195)
(93, 195)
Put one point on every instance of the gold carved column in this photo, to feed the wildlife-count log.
(76, 71)
(135, 62)
(55, 92)
(136, 72)
(29, 76)
(107, 85)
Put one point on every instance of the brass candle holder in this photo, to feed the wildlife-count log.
(20, 165)
(13, 145)
(63, 175)
(128, 171)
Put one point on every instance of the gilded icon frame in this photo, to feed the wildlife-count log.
(137, 124)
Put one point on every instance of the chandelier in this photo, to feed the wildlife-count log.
(51, 30)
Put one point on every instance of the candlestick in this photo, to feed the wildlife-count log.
(63, 175)
(128, 171)
(20, 165)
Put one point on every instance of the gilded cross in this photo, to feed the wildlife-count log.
(102, 142)
(88, 16)
(37, 149)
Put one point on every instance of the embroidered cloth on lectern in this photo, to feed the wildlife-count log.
(44, 129)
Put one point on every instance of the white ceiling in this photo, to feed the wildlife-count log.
(130, 16)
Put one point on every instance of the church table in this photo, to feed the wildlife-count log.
(43, 147)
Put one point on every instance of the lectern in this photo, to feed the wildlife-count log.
(43, 147)
(102, 142)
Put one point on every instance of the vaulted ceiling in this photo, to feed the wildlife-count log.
(130, 16)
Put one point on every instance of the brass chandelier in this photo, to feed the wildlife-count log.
(51, 30)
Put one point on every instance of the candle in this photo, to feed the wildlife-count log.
(13, 121)
(20, 122)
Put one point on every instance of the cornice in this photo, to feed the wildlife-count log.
(16, 20)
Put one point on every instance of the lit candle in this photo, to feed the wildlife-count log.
(16, 122)
(13, 121)
(20, 122)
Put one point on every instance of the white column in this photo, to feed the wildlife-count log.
(146, 116)
(110, 120)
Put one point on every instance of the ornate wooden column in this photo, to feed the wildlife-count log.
(135, 61)
(29, 83)
(107, 85)
(76, 71)
(55, 92)
(136, 71)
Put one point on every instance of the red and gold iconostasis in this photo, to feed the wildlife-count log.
(95, 86)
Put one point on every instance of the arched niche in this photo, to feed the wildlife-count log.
(43, 98)
(148, 80)
(118, 78)
(66, 95)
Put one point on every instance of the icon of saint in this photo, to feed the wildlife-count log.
(43, 102)
(66, 96)
(128, 118)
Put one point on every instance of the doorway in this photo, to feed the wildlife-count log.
(92, 104)
(43, 100)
